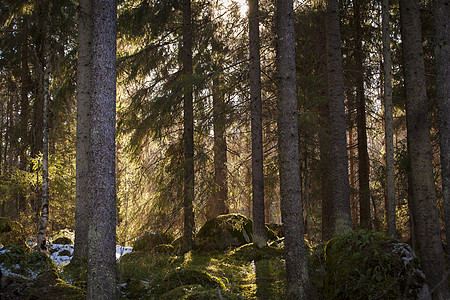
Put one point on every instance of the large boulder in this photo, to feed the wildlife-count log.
(149, 240)
(369, 265)
(12, 232)
(225, 231)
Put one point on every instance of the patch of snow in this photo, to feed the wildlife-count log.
(61, 260)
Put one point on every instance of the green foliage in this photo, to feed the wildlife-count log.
(366, 264)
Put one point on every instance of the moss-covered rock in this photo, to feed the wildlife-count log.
(222, 232)
(180, 277)
(197, 292)
(164, 248)
(12, 232)
(366, 264)
(62, 240)
(150, 240)
(16, 262)
(46, 285)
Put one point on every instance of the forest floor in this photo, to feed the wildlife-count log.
(356, 265)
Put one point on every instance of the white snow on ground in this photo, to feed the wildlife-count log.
(61, 260)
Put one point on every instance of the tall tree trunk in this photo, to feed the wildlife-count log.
(339, 161)
(259, 231)
(424, 207)
(324, 144)
(189, 225)
(297, 278)
(388, 123)
(43, 220)
(441, 16)
(363, 156)
(101, 264)
(218, 205)
(82, 145)
(24, 105)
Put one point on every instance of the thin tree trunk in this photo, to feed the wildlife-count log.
(43, 220)
(441, 17)
(259, 231)
(363, 156)
(189, 225)
(339, 160)
(297, 278)
(82, 146)
(388, 123)
(24, 105)
(424, 207)
(101, 264)
(352, 176)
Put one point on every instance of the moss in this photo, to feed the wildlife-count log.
(181, 277)
(75, 273)
(12, 232)
(232, 230)
(150, 240)
(251, 252)
(274, 231)
(367, 264)
(62, 240)
(164, 248)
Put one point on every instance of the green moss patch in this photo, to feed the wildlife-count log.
(16, 262)
(232, 230)
(369, 265)
(180, 277)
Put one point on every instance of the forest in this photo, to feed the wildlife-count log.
(228, 149)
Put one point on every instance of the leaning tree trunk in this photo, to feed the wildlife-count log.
(259, 230)
(441, 17)
(424, 207)
(82, 145)
(388, 123)
(297, 278)
(189, 225)
(43, 220)
(101, 264)
(339, 161)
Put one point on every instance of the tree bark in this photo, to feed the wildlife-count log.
(297, 278)
(82, 145)
(441, 16)
(339, 162)
(259, 231)
(424, 207)
(218, 205)
(101, 264)
(388, 123)
(363, 156)
(43, 220)
(189, 225)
